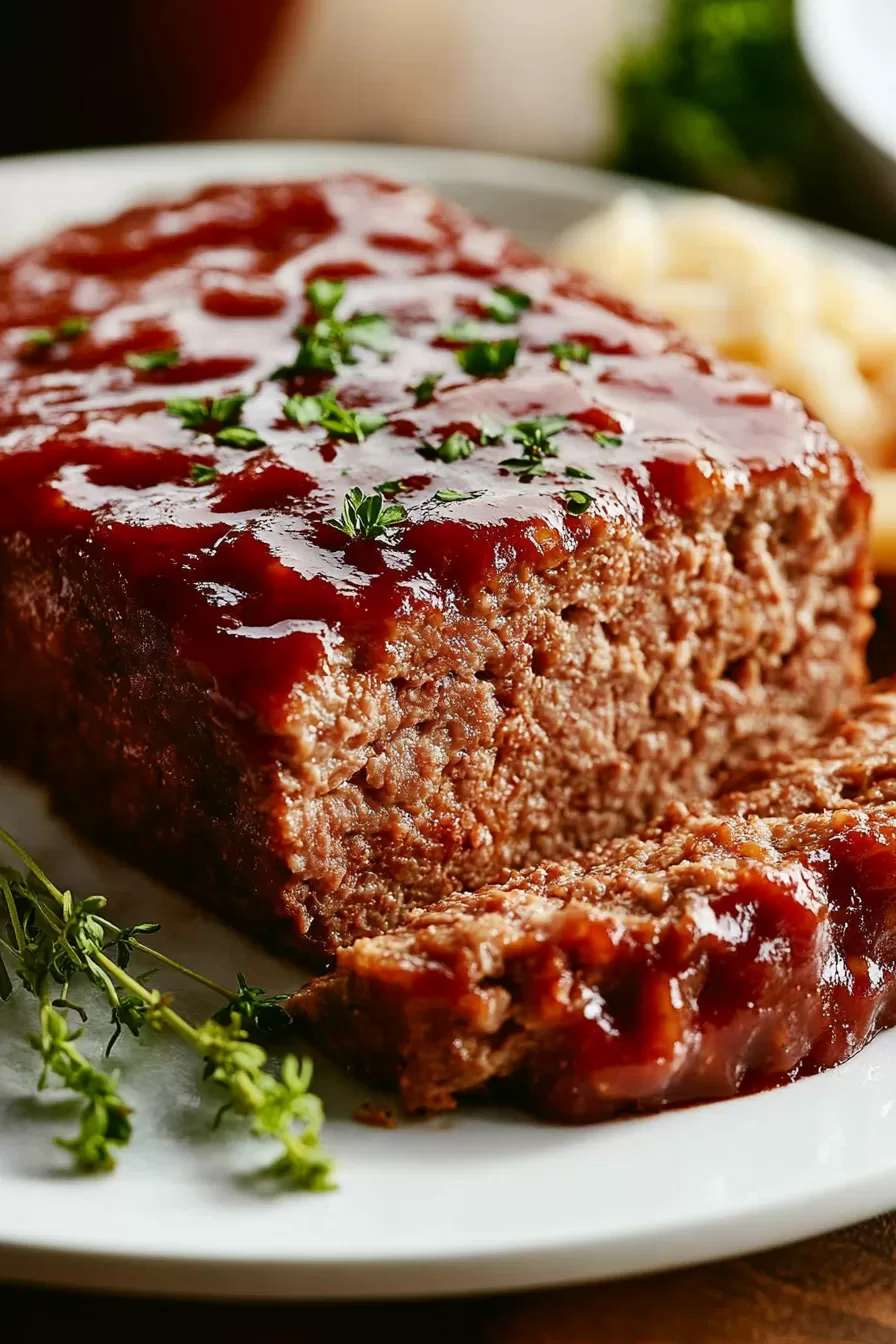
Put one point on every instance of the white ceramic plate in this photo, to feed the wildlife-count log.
(480, 1201)
(850, 48)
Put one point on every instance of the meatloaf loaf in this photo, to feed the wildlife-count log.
(730, 946)
(350, 552)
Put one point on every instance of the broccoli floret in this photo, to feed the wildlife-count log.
(720, 99)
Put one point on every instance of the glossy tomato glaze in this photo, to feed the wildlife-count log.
(246, 572)
(592, 1004)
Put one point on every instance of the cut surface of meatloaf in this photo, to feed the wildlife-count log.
(586, 567)
(707, 954)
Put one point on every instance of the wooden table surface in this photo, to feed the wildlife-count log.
(831, 1290)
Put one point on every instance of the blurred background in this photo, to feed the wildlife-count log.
(710, 93)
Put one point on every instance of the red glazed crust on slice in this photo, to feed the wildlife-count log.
(705, 955)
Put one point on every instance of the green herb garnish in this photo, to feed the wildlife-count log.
(579, 472)
(220, 411)
(324, 409)
(452, 496)
(455, 448)
(577, 501)
(326, 344)
(424, 391)
(367, 516)
(463, 331)
(42, 338)
(534, 437)
(58, 944)
(258, 1010)
(504, 304)
(325, 295)
(607, 440)
(70, 327)
(391, 488)
(488, 359)
(149, 361)
(490, 431)
(567, 352)
(203, 473)
(240, 436)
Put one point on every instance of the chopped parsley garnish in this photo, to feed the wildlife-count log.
(490, 431)
(149, 361)
(325, 410)
(567, 352)
(452, 496)
(41, 338)
(577, 501)
(325, 295)
(194, 414)
(70, 327)
(535, 434)
(326, 344)
(390, 488)
(240, 436)
(203, 473)
(579, 472)
(607, 440)
(425, 390)
(455, 448)
(464, 330)
(488, 359)
(504, 304)
(367, 516)
(534, 437)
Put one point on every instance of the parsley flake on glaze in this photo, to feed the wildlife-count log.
(505, 305)
(151, 361)
(195, 414)
(240, 436)
(452, 496)
(327, 343)
(488, 359)
(203, 473)
(43, 338)
(456, 448)
(325, 409)
(425, 390)
(367, 516)
(577, 501)
(571, 352)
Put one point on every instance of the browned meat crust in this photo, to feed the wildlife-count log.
(721, 949)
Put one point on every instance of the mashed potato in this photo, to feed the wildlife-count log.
(820, 323)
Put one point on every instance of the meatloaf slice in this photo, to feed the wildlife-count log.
(350, 552)
(708, 954)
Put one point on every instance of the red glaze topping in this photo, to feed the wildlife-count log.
(242, 564)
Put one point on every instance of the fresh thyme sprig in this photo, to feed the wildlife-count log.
(43, 338)
(53, 940)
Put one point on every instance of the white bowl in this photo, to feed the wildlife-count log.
(850, 49)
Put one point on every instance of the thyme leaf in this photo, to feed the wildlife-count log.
(367, 516)
(54, 939)
(505, 305)
(488, 359)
